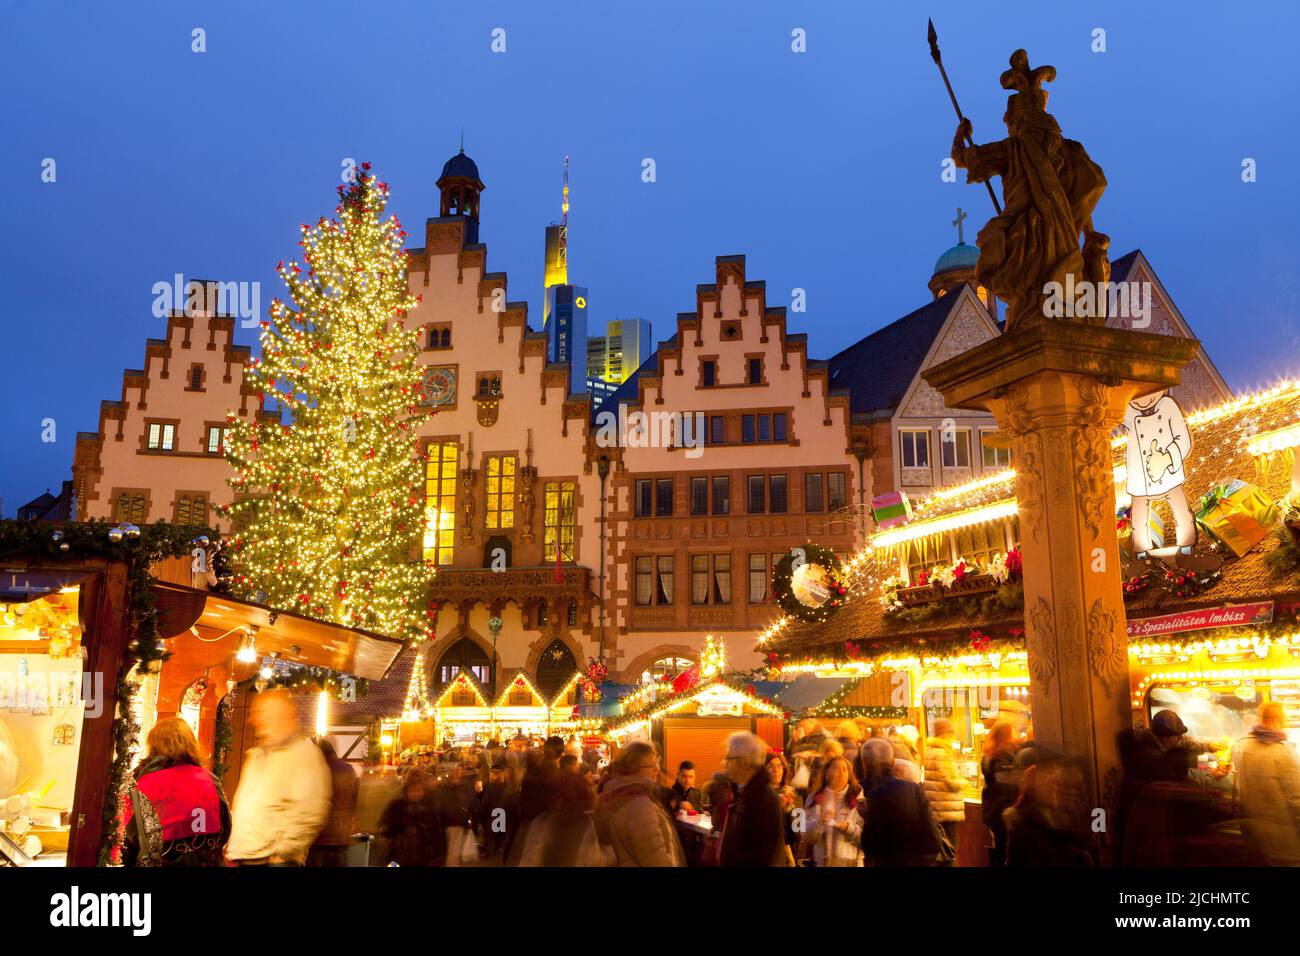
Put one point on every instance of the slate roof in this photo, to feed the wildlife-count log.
(878, 369)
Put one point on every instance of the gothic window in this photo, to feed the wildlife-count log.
(554, 669)
(465, 657)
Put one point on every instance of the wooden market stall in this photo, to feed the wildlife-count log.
(935, 603)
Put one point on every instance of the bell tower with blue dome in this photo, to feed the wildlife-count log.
(956, 267)
(460, 188)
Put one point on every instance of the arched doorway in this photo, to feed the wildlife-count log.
(554, 668)
(464, 656)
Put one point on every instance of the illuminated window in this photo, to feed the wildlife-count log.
(559, 521)
(465, 656)
(191, 510)
(440, 502)
(915, 449)
(162, 436)
(711, 579)
(501, 491)
(218, 438)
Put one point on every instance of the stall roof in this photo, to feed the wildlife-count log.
(1225, 446)
(809, 690)
(292, 637)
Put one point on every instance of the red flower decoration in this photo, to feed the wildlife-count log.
(979, 641)
(959, 571)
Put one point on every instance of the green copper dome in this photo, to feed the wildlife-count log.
(960, 256)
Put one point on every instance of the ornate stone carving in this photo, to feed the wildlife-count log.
(1092, 468)
(1028, 444)
(1069, 636)
(527, 502)
(1040, 642)
(1107, 651)
(468, 479)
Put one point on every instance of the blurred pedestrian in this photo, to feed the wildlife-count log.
(898, 828)
(285, 789)
(331, 846)
(944, 785)
(175, 813)
(907, 766)
(1041, 829)
(412, 829)
(753, 834)
(1268, 782)
(629, 817)
(1001, 785)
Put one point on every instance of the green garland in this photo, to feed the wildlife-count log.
(1007, 599)
(783, 575)
(42, 542)
(223, 737)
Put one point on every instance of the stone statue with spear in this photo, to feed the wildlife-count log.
(1049, 189)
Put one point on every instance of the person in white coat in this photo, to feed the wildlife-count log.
(285, 790)
(1158, 444)
(833, 826)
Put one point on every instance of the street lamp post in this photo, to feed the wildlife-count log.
(602, 469)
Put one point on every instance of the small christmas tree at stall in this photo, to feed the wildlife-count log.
(328, 510)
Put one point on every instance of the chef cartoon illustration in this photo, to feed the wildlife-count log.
(1158, 444)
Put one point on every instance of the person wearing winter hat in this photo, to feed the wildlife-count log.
(1268, 782)
(1161, 753)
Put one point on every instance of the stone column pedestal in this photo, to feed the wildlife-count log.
(1058, 390)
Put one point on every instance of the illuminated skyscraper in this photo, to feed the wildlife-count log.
(564, 310)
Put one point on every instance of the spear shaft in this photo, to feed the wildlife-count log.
(938, 61)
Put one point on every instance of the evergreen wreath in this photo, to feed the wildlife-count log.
(783, 580)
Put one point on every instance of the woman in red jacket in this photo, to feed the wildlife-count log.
(176, 814)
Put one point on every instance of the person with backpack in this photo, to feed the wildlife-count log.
(629, 815)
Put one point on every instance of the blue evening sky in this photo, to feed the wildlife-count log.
(823, 168)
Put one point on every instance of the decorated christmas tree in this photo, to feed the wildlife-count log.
(329, 503)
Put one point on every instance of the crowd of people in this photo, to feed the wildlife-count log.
(864, 795)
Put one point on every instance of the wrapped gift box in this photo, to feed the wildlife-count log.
(891, 509)
(1237, 515)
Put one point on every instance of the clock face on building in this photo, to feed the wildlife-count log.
(440, 386)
